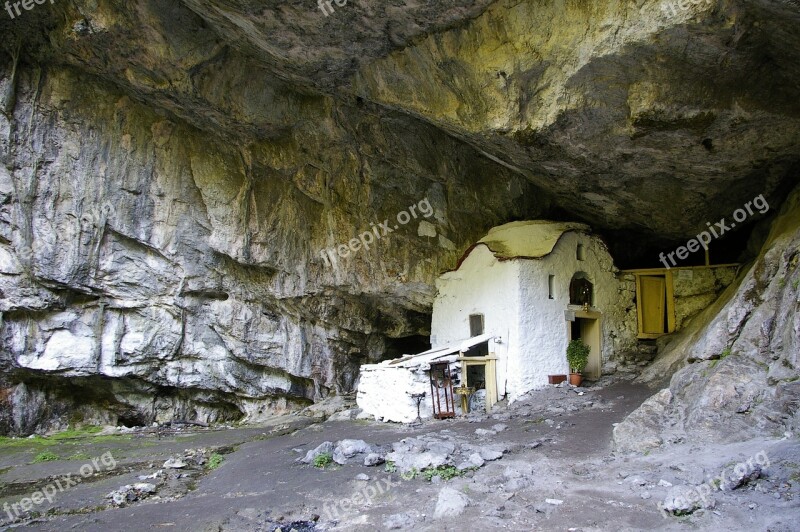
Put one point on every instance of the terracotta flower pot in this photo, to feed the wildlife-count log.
(575, 379)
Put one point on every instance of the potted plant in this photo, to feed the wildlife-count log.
(577, 358)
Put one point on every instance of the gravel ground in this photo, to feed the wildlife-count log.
(556, 471)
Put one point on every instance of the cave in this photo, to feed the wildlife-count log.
(234, 220)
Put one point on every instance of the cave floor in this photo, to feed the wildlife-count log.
(577, 482)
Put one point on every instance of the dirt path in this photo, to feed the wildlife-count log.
(558, 448)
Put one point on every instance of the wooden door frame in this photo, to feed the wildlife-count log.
(598, 318)
(490, 375)
(670, 301)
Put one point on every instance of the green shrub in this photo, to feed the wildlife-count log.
(390, 467)
(45, 456)
(214, 461)
(323, 459)
(445, 472)
(577, 355)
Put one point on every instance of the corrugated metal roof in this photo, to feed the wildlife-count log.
(432, 355)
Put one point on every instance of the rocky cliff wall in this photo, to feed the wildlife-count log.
(170, 173)
(163, 271)
(737, 365)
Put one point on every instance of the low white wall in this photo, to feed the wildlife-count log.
(385, 392)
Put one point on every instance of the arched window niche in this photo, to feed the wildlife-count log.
(581, 290)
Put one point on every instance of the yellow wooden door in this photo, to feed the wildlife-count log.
(652, 300)
(590, 334)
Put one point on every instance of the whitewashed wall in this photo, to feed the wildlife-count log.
(513, 297)
(385, 392)
(542, 321)
(482, 285)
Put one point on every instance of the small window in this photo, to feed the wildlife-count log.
(580, 290)
(579, 252)
(475, 325)
(551, 282)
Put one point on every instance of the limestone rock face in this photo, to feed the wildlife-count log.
(183, 184)
(140, 249)
(738, 363)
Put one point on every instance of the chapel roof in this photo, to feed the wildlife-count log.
(531, 239)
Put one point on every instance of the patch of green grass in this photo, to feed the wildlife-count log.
(215, 461)
(45, 456)
(725, 353)
(410, 475)
(71, 436)
(390, 467)
(80, 456)
(9, 442)
(445, 472)
(76, 433)
(323, 459)
(796, 283)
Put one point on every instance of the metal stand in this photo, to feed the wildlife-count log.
(418, 397)
(442, 386)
